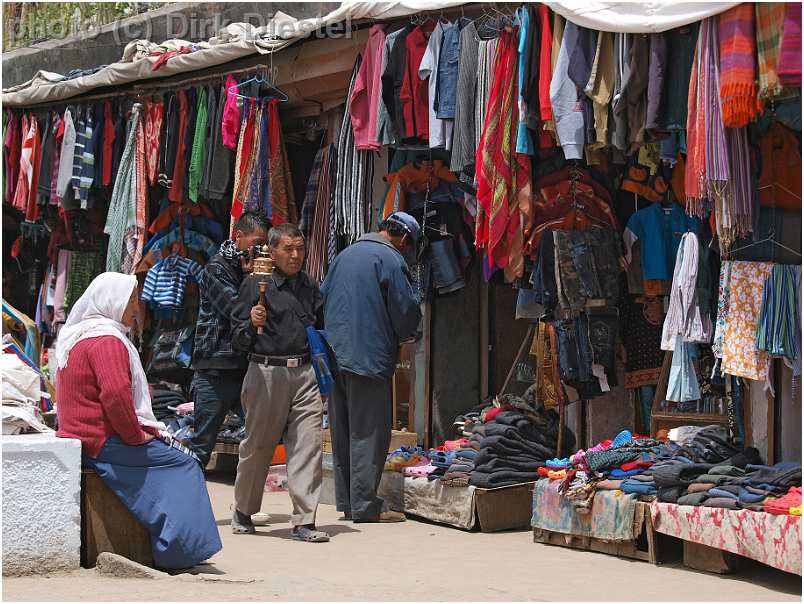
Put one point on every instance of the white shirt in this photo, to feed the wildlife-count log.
(440, 130)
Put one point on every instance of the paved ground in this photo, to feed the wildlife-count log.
(412, 561)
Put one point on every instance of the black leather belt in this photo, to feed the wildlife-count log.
(279, 361)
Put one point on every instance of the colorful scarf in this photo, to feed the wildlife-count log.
(770, 20)
(738, 89)
(741, 187)
(789, 68)
(283, 201)
(503, 176)
(707, 169)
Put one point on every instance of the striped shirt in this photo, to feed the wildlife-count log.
(166, 281)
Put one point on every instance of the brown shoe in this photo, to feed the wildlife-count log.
(346, 516)
(384, 517)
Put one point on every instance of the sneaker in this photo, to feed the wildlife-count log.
(310, 534)
(384, 517)
(242, 524)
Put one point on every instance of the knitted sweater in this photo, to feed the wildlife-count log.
(94, 396)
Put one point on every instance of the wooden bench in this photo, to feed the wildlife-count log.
(108, 526)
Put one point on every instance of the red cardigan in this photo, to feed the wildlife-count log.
(94, 396)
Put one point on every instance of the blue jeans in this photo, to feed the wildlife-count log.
(216, 392)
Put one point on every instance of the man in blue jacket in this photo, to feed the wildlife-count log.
(369, 309)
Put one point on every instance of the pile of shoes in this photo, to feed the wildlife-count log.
(233, 430)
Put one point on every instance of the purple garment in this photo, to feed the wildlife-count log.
(658, 69)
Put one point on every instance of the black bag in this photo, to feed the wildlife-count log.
(171, 352)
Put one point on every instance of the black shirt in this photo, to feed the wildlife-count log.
(292, 305)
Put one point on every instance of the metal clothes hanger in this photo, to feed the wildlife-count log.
(771, 238)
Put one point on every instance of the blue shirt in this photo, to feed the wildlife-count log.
(659, 232)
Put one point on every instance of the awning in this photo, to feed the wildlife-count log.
(242, 39)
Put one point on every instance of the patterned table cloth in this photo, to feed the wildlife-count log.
(612, 516)
(771, 539)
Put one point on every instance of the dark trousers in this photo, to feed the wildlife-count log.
(215, 392)
(360, 423)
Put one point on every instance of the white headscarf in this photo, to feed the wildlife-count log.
(98, 312)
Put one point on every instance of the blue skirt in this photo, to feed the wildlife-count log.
(165, 490)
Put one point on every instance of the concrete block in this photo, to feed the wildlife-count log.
(41, 504)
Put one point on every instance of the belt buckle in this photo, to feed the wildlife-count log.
(292, 363)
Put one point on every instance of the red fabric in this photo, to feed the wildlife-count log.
(545, 64)
(154, 115)
(165, 57)
(176, 193)
(95, 396)
(108, 145)
(32, 209)
(635, 465)
(414, 94)
(163, 220)
(230, 121)
(503, 176)
(783, 504)
(246, 160)
(367, 91)
(542, 471)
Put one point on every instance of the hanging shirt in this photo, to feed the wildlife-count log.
(166, 280)
(567, 111)
(524, 141)
(366, 94)
(393, 77)
(414, 94)
(108, 145)
(659, 231)
(428, 70)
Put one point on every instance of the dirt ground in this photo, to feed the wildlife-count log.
(411, 561)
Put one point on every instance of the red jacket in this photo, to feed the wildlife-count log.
(94, 396)
(414, 93)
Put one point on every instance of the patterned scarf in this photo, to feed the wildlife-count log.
(738, 90)
(741, 186)
(229, 251)
(503, 176)
(790, 56)
(770, 19)
(707, 169)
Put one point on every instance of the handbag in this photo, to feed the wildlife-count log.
(319, 357)
(171, 350)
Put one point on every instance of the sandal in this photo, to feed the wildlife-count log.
(310, 535)
(241, 524)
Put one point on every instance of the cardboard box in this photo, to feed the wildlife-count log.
(399, 438)
(504, 508)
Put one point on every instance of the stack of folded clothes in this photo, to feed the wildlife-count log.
(403, 457)
(514, 444)
(164, 402)
(459, 472)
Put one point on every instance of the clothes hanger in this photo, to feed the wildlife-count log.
(771, 238)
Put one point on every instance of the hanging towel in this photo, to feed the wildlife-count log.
(770, 20)
(790, 55)
(738, 89)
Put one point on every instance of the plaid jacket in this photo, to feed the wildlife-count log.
(218, 286)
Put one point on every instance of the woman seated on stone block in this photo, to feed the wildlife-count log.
(103, 400)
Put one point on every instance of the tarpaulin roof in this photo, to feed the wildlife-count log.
(242, 39)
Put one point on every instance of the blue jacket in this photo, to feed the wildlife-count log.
(369, 307)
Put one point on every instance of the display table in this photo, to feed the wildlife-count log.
(504, 508)
(771, 539)
(613, 525)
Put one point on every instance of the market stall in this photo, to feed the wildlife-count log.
(611, 218)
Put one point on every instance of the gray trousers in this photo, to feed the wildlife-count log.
(284, 403)
(360, 422)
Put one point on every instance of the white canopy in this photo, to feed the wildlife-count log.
(242, 39)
